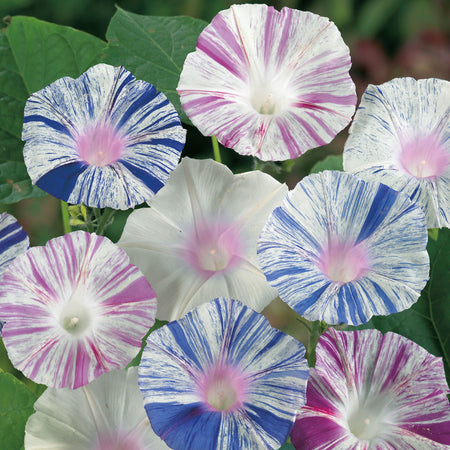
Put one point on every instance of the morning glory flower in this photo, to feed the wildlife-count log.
(197, 241)
(107, 414)
(269, 84)
(74, 309)
(369, 391)
(13, 242)
(103, 139)
(222, 377)
(342, 250)
(400, 136)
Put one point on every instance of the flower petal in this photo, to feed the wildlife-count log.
(198, 239)
(109, 408)
(267, 83)
(342, 250)
(74, 309)
(224, 334)
(103, 139)
(373, 391)
(401, 137)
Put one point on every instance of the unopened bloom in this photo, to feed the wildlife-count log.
(74, 309)
(267, 83)
(197, 241)
(222, 377)
(106, 414)
(369, 392)
(103, 139)
(400, 136)
(342, 250)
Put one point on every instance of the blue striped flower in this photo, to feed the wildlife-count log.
(103, 139)
(342, 250)
(222, 377)
(13, 242)
(401, 137)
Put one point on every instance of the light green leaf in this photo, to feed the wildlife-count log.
(33, 54)
(16, 405)
(331, 162)
(426, 322)
(153, 48)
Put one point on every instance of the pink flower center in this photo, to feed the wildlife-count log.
(212, 247)
(223, 388)
(423, 156)
(100, 145)
(343, 262)
(118, 440)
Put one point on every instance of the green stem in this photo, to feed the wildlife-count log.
(108, 213)
(65, 217)
(317, 329)
(216, 150)
(258, 164)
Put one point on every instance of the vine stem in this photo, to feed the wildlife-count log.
(108, 213)
(215, 145)
(65, 217)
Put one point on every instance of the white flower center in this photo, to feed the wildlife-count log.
(370, 418)
(76, 314)
(267, 100)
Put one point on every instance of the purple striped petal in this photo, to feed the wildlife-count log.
(401, 137)
(103, 139)
(197, 240)
(267, 83)
(342, 250)
(222, 377)
(369, 391)
(106, 414)
(74, 309)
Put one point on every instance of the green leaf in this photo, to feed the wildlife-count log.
(426, 322)
(33, 54)
(16, 405)
(153, 48)
(374, 14)
(331, 162)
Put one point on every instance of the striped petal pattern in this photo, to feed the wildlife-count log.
(342, 250)
(197, 241)
(222, 377)
(369, 391)
(74, 309)
(104, 139)
(13, 240)
(401, 137)
(103, 415)
(267, 83)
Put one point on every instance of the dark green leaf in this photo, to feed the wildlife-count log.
(426, 322)
(16, 405)
(153, 48)
(33, 54)
(331, 162)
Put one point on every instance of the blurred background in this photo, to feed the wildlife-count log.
(387, 39)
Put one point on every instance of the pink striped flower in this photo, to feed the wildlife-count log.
(267, 83)
(74, 309)
(369, 392)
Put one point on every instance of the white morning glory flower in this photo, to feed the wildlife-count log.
(106, 414)
(197, 241)
(267, 83)
(368, 392)
(222, 377)
(342, 250)
(74, 309)
(400, 136)
(103, 139)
